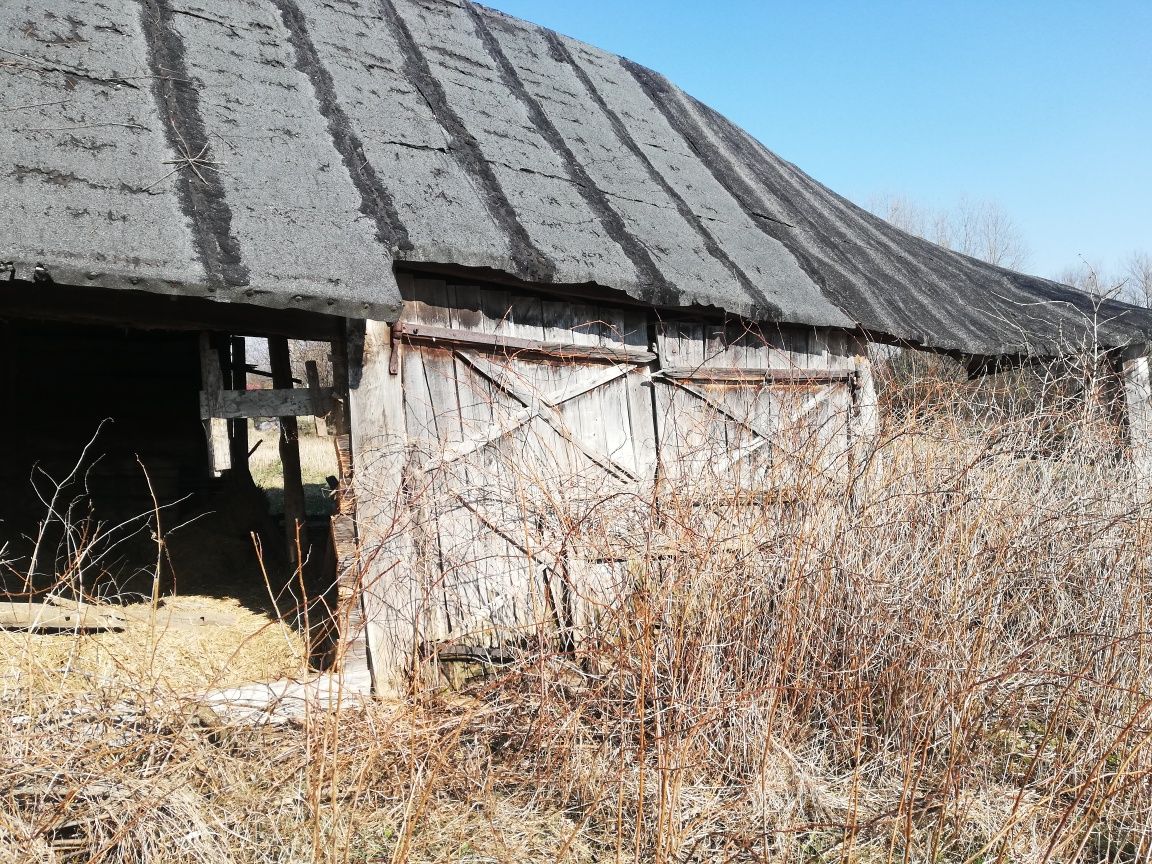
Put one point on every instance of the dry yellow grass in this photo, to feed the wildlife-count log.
(317, 464)
(949, 661)
(156, 652)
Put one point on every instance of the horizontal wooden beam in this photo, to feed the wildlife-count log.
(753, 376)
(450, 338)
(265, 403)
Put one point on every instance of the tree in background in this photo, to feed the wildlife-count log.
(1140, 278)
(984, 230)
(981, 229)
(1132, 284)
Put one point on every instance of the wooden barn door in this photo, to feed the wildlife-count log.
(529, 424)
(744, 410)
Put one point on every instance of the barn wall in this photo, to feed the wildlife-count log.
(523, 431)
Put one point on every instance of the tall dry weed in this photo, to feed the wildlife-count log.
(943, 656)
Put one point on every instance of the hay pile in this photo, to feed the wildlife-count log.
(158, 650)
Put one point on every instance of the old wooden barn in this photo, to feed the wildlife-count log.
(550, 281)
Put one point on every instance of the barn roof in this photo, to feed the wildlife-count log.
(289, 152)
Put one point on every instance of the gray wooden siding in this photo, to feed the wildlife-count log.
(536, 429)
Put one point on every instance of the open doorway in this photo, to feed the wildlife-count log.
(149, 459)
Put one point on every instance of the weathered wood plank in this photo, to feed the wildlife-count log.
(49, 616)
(448, 337)
(215, 428)
(391, 599)
(265, 403)
(755, 376)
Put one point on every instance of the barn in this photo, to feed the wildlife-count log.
(554, 286)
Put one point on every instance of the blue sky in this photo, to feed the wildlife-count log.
(1043, 107)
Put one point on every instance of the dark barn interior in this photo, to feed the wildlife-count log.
(104, 443)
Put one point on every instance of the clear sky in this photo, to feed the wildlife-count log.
(1043, 106)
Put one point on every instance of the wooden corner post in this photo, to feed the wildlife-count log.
(389, 593)
(1138, 399)
(865, 414)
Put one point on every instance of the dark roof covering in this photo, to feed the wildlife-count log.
(288, 152)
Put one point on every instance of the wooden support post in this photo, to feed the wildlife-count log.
(212, 386)
(294, 513)
(352, 650)
(238, 427)
(392, 600)
(1138, 399)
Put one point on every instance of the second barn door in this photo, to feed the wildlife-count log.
(530, 428)
(743, 410)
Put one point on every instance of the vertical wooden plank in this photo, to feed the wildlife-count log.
(715, 345)
(352, 643)
(294, 514)
(742, 341)
(798, 345)
(559, 321)
(641, 399)
(586, 324)
(312, 374)
(464, 309)
(215, 428)
(238, 429)
(527, 317)
(618, 439)
(692, 345)
(496, 304)
(818, 353)
(773, 353)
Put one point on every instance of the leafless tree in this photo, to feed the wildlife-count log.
(982, 229)
(1139, 273)
(318, 352)
(1132, 285)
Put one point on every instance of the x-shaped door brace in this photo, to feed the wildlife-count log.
(764, 436)
(543, 406)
